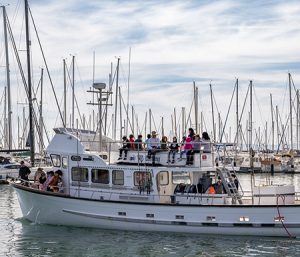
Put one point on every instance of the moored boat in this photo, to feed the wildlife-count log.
(134, 194)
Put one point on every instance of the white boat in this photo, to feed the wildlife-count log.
(134, 195)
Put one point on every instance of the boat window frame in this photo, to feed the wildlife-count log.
(136, 182)
(185, 182)
(99, 169)
(63, 164)
(113, 179)
(55, 158)
(80, 167)
(12, 166)
(76, 158)
(168, 182)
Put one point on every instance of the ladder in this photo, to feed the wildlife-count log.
(229, 185)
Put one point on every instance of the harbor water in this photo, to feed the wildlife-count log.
(19, 237)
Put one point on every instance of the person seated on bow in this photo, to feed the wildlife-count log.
(154, 145)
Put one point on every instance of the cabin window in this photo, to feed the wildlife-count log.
(64, 161)
(118, 177)
(140, 178)
(55, 158)
(13, 166)
(179, 217)
(88, 158)
(80, 174)
(75, 158)
(100, 176)
(163, 178)
(103, 156)
(179, 177)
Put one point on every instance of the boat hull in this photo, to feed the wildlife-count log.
(51, 208)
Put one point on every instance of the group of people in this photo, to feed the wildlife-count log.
(50, 181)
(218, 187)
(189, 145)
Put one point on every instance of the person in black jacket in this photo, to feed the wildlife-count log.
(173, 149)
(124, 148)
(24, 172)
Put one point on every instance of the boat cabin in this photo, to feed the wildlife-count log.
(89, 176)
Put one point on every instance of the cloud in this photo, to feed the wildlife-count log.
(172, 44)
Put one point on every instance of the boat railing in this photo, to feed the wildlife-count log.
(139, 152)
(176, 198)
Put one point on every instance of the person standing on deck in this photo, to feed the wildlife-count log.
(24, 172)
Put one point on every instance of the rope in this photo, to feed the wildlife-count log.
(279, 216)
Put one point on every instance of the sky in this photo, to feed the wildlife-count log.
(172, 45)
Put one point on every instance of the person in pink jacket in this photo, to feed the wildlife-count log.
(186, 147)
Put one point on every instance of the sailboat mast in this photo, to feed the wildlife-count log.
(291, 120)
(297, 119)
(196, 105)
(212, 111)
(41, 113)
(5, 120)
(31, 127)
(65, 94)
(73, 91)
(272, 116)
(116, 102)
(7, 81)
(237, 112)
(250, 118)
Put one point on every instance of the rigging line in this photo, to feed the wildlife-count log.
(22, 31)
(241, 115)
(293, 84)
(283, 134)
(81, 119)
(130, 123)
(189, 116)
(16, 13)
(152, 117)
(75, 97)
(223, 131)
(257, 103)
(23, 77)
(280, 217)
(46, 65)
(113, 79)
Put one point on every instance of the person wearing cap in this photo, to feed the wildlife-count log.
(154, 144)
(124, 148)
(24, 172)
